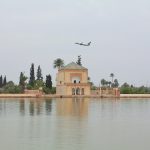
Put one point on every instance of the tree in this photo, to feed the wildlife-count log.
(116, 84)
(5, 81)
(38, 84)
(79, 60)
(22, 80)
(112, 76)
(112, 81)
(125, 85)
(49, 81)
(1, 81)
(58, 63)
(109, 83)
(39, 73)
(103, 82)
(32, 76)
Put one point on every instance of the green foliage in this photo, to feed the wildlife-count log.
(112, 75)
(32, 76)
(115, 84)
(53, 90)
(58, 63)
(10, 87)
(108, 84)
(39, 73)
(79, 61)
(29, 87)
(37, 85)
(22, 81)
(130, 89)
(5, 81)
(105, 83)
(49, 91)
(1, 81)
(46, 90)
(49, 81)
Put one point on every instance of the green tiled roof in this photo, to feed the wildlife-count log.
(73, 65)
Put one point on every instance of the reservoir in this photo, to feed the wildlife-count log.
(74, 124)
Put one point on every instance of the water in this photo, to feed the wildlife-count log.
(74, 124)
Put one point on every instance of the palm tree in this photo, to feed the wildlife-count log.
(58, 63)
(112, 76)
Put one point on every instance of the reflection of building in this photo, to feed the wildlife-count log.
(72, 107)
(72, 80)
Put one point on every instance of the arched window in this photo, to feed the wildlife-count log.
(82, 91)
(75, 81)
(73, 91)
(77, 91)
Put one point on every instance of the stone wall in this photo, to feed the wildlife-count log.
(106, 92)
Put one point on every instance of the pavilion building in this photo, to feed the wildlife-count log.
(72, 79)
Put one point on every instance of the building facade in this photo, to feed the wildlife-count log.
(72, 79)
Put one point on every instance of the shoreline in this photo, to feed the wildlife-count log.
(59, 96)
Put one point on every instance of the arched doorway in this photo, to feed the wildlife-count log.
(77, 91)
(73, 91)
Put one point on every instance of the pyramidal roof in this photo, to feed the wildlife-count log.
(73, 66)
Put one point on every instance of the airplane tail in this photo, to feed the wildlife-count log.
(89, 43)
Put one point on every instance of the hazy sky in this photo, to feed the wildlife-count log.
(40, 31)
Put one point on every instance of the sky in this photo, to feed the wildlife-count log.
(40, 31)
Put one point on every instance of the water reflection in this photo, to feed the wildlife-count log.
(74, 124)
(22, 106)
(74, 107)
(62, 107)
(36, 106)
(48, 106)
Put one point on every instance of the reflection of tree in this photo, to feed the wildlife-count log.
(1, 106)
(38, 107)
(22, 106)
(72, 107)
(35, 106)
(31, 108)
(48, 106)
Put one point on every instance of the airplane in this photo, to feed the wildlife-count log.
(88, 44)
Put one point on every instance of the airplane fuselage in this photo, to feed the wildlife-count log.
(84, 44)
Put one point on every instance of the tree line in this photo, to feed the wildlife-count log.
(110, 84)
(35, 82)
(130, 89)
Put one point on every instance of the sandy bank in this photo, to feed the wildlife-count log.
(134, 95)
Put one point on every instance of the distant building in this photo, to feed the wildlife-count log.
(72, 79)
